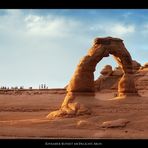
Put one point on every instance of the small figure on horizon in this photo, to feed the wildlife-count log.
(30, 88)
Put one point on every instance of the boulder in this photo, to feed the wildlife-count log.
(115, 123)
(107, 70)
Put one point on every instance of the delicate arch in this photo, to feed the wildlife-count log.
(82, 82)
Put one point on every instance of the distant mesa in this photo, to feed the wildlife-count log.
(80, 98)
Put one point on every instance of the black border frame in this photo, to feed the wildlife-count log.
(75, 4)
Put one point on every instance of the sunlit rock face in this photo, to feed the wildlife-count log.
(117, 71)
(80, 91)
(109, 78)
(145, 65)
(111, 81)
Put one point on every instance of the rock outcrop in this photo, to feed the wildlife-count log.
(81, 89)
(136, 65)
(117, 71)
(145, 66)
(141, 78)
(115, 123)
(111, 81)
(107, 70)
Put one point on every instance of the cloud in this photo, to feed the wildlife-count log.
(50, 25)
(144, 29)
(127, 14)
(120, 29)
(38, 48)
(114, 29)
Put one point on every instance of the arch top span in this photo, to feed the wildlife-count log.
(116, 47)
(106, 40)
(83, 78)
(81, 86)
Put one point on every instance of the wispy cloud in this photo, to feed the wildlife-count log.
(115, 29)
(127, 14)
(50, 25)
(120, 29)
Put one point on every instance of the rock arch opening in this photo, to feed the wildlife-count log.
(80, 91)
(102, 64)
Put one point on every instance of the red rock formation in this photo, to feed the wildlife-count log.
(107, 70)
(109, 78)
(111, 81)
(141, 78)
(80, 90)
(117, 71)
(136, 65)
(144, 67)
(115, 123)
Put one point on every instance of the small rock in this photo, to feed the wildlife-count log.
(115, 123)
(83, 123)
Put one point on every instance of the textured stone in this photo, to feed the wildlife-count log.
(141, 79)
(136, 65)
(107, 70)
(117, 71)
(146, 65)
(111, 81)
(126, 85)
(83, 123)
(115, 123)
(82, 81)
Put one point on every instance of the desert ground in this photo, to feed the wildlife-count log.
(90, 109)
(23, 115)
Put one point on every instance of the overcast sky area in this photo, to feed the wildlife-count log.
(45, 45)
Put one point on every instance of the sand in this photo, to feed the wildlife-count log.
(24, 116)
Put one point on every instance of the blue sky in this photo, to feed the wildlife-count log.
(45, 45)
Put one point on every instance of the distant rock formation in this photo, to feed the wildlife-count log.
(111, 80)
(107, 70)
(141, 78)
(81, 89)
(136, 65)
(117, 71)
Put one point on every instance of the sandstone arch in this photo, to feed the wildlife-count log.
(80, 91)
